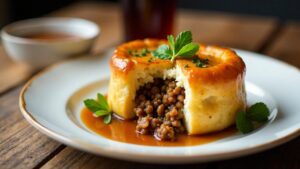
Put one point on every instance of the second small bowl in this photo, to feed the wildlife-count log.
(42, 41)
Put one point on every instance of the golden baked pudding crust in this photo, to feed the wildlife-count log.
(213, 94)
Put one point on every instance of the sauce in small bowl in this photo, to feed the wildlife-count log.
(43, 41)
(50, 36)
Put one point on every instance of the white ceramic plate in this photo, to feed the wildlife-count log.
(51, 102)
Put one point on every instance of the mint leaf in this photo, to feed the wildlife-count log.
(92, 105)
(188, 50)
(171, 42)
(102, 101)
(182, 39)
(181, 46)
(243, 124)
(107, 119)
(163, 52)
(258, 112)
(163, 49)
(163, 56)
(101, 113)
(99, 107)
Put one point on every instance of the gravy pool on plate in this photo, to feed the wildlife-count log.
(124, 131)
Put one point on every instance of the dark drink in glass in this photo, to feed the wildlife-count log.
(148, 18)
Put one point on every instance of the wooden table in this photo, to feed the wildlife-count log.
(22, 146)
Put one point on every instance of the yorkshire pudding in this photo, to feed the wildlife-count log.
(213, 94)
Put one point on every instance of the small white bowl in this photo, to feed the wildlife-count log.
(40, 53)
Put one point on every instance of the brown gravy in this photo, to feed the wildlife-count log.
(49, 36)
(124, 131)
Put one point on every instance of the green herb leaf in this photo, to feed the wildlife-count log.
(164, 49)
(99, 107)
(145, 52)
(258, 112)
(182, 39)
(135, 53)
(102, 101)
(188, 50)
(101, 113)
(200, 62)
(182, 46)
(92, 105)
(150, 60)
(243, 124)
(163, 52)
(171, 42)
(107, 119)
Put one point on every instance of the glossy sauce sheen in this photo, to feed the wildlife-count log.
(124, 131)
(49, 36)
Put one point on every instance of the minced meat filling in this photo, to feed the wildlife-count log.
(159, 109)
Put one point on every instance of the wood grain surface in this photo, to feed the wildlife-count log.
(22, 146)
(11, 74)
(77, 159)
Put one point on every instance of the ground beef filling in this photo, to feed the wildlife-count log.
(159, 109)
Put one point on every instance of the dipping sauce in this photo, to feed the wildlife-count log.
(124, 131)
(49, 36)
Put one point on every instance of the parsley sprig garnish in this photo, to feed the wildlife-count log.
(257, 113)
(182, 46)
(99, 107)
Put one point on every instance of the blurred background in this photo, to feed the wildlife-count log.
(12, 10)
